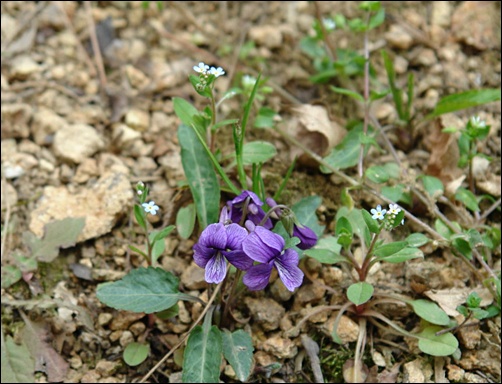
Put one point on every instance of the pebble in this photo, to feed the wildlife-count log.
(280, 347)
(398, 37)
(441, 13)
(44, 124)
(91, 376)
(102, 204)
(104, 318)
(15, 119)
(123, 319)
(107, 368)
(417, 371)
(308, 294)
(269, 36)
(266, 312)
(347, 330)
(23, 67)
(193, 277)
(77, 142)
(9, 196)
(137, 119)
(126, 338)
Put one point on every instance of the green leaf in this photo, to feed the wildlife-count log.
(163, 233)
(443, 229)
(158, 247)
(327, 251)
(465, 100)
(397, 193)
(389, 249)
(202, 357)
(135, 353)
(142, 290)
(360, 293)
(417, 240)
(257, 152)
(139, 214)
(377, 173)
(467, 197)
(430, 311)
(139, 251)
(200, 175)
(357, 222)
(17, 364)
(377, 19)
(404, 254)
(238, 350)
(345, 154)
(184, 110)
(57, 234)
(10, 275)
(356, 96)
(442, 345)
(265, 118)
(185, 221)
(433, 185)
(372, 224)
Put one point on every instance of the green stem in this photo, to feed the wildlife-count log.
(217, 166)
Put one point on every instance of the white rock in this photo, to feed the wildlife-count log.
(44, 124)
(398, 37)
(77, 142)
(101, 205)
(22, 67)
(137, 119)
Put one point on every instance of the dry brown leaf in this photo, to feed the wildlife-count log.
(450, 299)
(444, 150)
(313, 128)
(47, 360)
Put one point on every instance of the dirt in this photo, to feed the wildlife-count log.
(51, 82)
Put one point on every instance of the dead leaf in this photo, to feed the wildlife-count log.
(47, 360)
(444, 150)
(450, 299)
(313, 128)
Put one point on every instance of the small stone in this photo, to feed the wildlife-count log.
(441, 13)
(137, 119)
(87, 169)
(44, 124)
(136, 78)
(126, 338)
(137, 328)
(107, 368)
(15, 119)
(417, 371)
(91, 376)
(400, 65)
(75, 362)
(280, 347)
(347, 330)
(23, 67)
(102, 205)
(77, 142)
(307, 294)
(193, 277)
(455, 373)
(332, 276)
(124, 319)
(114, 336)
(279, 291)
(398, 37)
(267, 35)
(265, 311)
(385, 111)
(9, 196)
(470, 337)
(104, 319)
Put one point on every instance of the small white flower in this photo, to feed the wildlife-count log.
(477, 122)
(248, 81)
(201, 68)
(139, 192)
(216, 71)
(150, 207)
(378, 213)
(394, 209)
(328, 23)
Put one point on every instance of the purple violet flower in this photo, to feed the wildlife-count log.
(267, 248)
(219, 242)
(307, 237)
(254, 211)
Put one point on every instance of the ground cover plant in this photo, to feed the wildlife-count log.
(217, 235)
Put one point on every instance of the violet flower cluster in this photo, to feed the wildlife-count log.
(243, 237)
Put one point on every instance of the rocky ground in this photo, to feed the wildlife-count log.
(80, 130)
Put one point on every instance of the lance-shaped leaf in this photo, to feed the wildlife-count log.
(238, 350)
